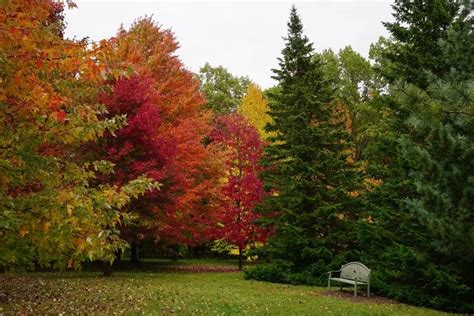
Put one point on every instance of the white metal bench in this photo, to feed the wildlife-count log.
(352, 273)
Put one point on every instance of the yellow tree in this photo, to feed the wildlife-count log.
(254, 107)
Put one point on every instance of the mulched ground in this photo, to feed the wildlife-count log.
(348, 294)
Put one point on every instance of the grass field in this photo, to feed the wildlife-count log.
(157, 288)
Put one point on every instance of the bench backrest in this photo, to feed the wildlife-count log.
(355, 271)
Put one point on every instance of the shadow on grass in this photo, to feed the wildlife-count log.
(165, 266)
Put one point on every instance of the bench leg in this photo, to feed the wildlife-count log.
(368, 290)
(355, 290)
(329, 284)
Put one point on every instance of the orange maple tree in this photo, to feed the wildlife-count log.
(48, 87)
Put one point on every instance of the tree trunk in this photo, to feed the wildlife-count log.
(86, 265)
(240, 258)
(118, 256)
(107, 269)
(134, 254)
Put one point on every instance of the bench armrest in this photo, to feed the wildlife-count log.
(331, 272)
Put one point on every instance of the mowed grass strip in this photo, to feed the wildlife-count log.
(152, 292)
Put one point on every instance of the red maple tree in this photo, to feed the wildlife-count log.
(243, 149)
(167, 124)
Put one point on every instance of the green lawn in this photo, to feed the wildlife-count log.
(153, 291)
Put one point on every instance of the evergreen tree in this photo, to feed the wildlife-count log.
(422, 213)
(418, 26)
(459, 43)
(309, 173)
(440, 158)
(422, 228)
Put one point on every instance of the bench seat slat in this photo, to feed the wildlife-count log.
(348, 281)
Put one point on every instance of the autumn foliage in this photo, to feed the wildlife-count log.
(163, 139)
(49, 213)
(254, 107)
(243, 189)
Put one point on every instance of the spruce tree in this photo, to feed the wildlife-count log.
(308, 170)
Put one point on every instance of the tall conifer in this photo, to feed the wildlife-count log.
(418, 27)
(309, 171)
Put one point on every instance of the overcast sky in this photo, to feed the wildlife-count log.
(243, 36)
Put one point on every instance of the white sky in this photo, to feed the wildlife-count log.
(243, 36)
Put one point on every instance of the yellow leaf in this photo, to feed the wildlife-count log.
(254, 108)
(23, 231)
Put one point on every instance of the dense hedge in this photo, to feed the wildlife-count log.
(399, 273)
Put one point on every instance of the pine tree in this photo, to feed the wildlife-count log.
(422, 213)
(418, 26)
(459, 42)
(423, 225)
(309, 173)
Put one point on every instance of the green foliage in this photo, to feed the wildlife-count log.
(459, 41)
(308, 169)
(429, 283)
(357, 95)
(423, 212)
(439, 154)
(279, 271)
(351, 75)
(223, 91)
(417, 28)
(413, 146)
